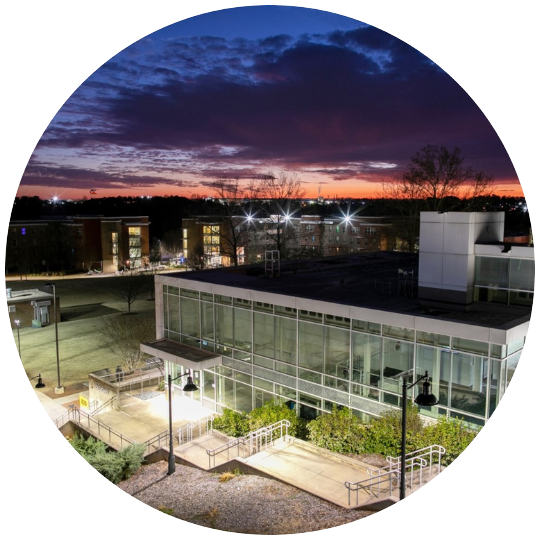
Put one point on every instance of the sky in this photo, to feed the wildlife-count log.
(244, 91)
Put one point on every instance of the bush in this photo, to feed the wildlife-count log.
(275, 411)
(384, 433)
(239, 424)
(339, 431)
(232, 423)
(451, 433)
(115, 466)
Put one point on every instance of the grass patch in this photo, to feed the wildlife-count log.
(226, 476)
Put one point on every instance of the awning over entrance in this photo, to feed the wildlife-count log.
(181, 354)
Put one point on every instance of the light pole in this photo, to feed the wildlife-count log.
(189, 387)
(40, 383)
(425, 399)
(18, 322)
(59, 389)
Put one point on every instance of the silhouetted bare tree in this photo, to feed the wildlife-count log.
(234, 230)
(129, 287)
(124, 334)
(435, 180)
(281, 193)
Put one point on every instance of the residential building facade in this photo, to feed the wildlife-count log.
(77, 243)
(215, 239)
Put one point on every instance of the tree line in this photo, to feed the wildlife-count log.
(435, 179)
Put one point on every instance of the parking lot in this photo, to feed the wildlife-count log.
(85, 302)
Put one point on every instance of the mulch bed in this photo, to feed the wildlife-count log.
(68, 390)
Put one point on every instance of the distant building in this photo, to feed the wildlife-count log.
(346, 330)
(215, 239)
(31, 307)
(77, 243)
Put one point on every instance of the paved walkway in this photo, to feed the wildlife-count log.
(294, 462)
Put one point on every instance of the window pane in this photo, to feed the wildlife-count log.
(337, 354)
(469, 345)
(366, 359)
(522, 274)
(174, 313)
(242, 329)
(189, 310)
(224, 325)
(264, 334)
(310, 345)
(365, 326)
(285, 311)
(469, 375)
(398, 332)
(285, 342)
(491, 272)
(207, 316)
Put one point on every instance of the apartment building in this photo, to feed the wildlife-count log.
(216, 239)
(77, 243)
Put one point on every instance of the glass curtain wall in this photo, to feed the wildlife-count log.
(314, 360)
(504, 281)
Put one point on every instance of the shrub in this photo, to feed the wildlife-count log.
(341, 431)
(275, 411)
(232, 423)
(384, 433)
(115, 466)
(451, 433)
(338, 431)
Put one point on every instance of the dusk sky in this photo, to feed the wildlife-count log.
(244, 91)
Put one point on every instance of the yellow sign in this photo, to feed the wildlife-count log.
(83, 402)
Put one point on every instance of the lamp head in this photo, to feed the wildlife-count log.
(190, 385)
(426, 398)
(49, 288)
(40, 383)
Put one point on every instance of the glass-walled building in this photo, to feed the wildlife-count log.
(314, 358)
(342, 331)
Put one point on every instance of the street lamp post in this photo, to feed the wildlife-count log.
(59, 389)
(18, 322)
(426, 399)
(189, 387)
(40, 383)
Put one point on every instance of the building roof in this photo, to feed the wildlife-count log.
(28, 295)
(181, 354)
(369, 280)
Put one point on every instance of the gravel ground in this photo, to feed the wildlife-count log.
(242, 503)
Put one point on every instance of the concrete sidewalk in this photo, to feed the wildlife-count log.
(295, 462)
(57, 406)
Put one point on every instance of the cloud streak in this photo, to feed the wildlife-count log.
(342, 105)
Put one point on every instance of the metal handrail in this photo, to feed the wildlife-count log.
(431, 451)
(98, 428)
(156, 442)
(390, 475)
(163, 438)
(103, 405)
(254, 441)
(383, 480)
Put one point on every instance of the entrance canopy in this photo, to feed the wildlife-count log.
(181, 354)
